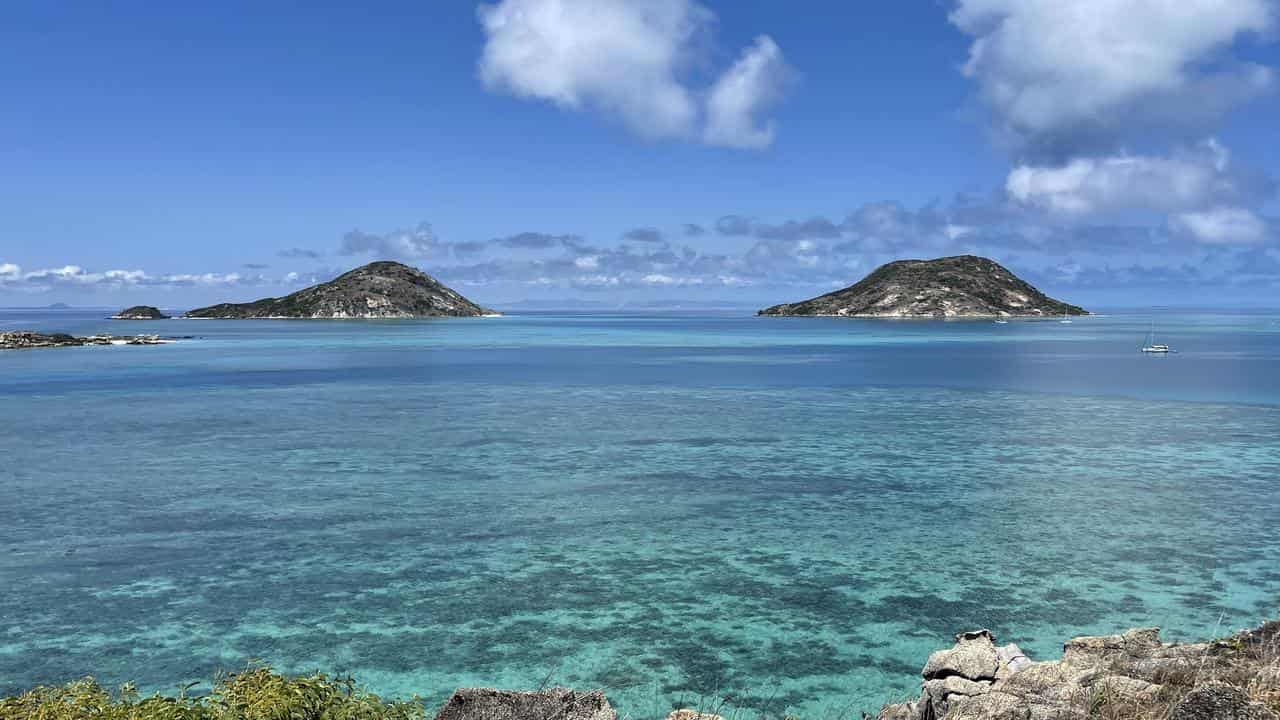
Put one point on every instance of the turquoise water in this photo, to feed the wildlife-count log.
(788, 513)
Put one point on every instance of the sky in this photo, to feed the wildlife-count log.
(627, 152)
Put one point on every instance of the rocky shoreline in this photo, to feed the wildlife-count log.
(1128, 676)
(29, 339)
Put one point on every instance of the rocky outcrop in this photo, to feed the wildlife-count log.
(1219, 701)
(551, 704)
(960, 286)
(377, 290)
(28, 339)
(140, 312)
(1128, 675)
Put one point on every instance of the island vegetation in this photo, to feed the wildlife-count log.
(378, 290)
(963, 286)
(140, 312)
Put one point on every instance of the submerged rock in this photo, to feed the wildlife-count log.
(551, 704)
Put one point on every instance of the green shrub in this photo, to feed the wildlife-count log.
(257, 693)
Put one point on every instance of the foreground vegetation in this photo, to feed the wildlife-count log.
(257, 693)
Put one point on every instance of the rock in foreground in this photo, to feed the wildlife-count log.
(140, 312)
(949, 287)
(552, 704)
(376, 290)
(1130, 675)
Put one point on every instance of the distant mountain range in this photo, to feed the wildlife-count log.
(959, 286)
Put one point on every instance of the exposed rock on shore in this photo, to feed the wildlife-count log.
(551, 704)
(140, 312)
(1130, 675)
(961, 286)
(377, 290)
(28, 339)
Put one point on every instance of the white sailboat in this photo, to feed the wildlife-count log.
(1066, 319)
(1151, 345)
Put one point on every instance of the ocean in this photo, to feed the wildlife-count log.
(782, 514)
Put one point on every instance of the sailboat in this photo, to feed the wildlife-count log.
(1066, 320)
(1152, 346)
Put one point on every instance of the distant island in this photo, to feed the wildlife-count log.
(378, 290)
(140, 312)
(30, 340)
(963, 286)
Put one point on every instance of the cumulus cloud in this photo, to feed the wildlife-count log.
(1222, 226)
(420, 242)
(619, 56)
(694, 230)
(1064, 78)
(752, 85)
(1186, 180)
(627, 59)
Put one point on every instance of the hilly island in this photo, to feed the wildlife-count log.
(378, 290)
(963, 286)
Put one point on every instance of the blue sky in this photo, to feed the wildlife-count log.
(622, 151)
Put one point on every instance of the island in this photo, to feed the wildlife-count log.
(140, 312)
(381, 289)
(963, 286)
(30, 339)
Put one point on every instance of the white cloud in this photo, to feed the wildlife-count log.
(1222, 226)
(420, 242)
(745, 90)
(1069, 71)
(619, 56)
(75, 276)
(1187, 180)
(628, 59)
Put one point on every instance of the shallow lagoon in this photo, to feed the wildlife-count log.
(790, 512)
